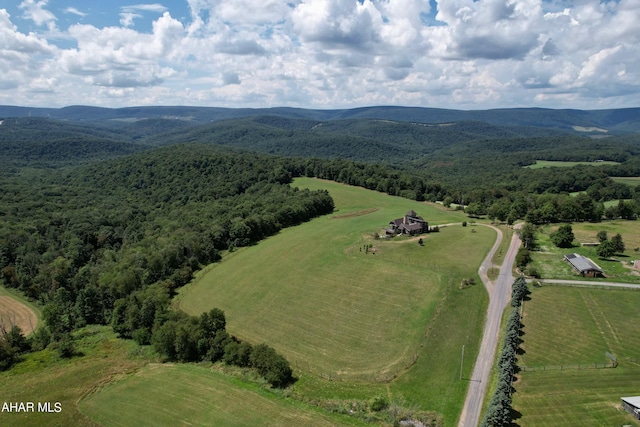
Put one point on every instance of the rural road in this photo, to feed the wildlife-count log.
(499, 296)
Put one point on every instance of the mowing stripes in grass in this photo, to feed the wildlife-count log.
(570, 326)
(323, 302)
(167, 395)
(337, 312)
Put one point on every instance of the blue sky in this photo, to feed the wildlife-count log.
(467, 54)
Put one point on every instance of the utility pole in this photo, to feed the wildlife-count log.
(461, 362)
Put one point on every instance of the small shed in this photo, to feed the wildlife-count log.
(584, 265)
(632, 406)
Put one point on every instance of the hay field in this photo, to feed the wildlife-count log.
(341, 314)
(570, 326)
(13, 311)
(316, 295)
(181, 394)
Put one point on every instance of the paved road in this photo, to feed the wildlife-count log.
(499, 296)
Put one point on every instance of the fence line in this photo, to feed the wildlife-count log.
(581, 366)
(602, 285)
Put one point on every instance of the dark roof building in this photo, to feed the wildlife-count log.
(584, 265)
(632, 406)
(410, 224)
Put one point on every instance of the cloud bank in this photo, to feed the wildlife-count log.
(327, 54)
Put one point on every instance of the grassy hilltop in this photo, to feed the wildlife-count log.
(336, 311)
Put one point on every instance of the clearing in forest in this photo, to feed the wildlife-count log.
(14, 312)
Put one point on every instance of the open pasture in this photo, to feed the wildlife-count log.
(172, 395)
(558, 164)
(15, 311)
(571, 326)
(334, 310)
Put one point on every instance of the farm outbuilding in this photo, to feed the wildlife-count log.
(632, 406)
(584, 265)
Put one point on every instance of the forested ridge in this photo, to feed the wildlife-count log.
(87, 240)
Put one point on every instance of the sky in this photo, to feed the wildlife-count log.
(461, 54)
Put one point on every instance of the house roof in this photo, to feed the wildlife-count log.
(413, 227)
(412, 213)
(581, 263)
(634, 400)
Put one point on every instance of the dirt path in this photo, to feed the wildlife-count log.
(13, 312)
(499, 294)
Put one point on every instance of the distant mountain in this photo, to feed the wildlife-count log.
(37, 141)
(581, 121)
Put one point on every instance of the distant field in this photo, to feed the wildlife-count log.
(570, 326)
(553, 164)
(548, 261)
(336, 312)
(173, 395)
(629, 180)
(15, 310)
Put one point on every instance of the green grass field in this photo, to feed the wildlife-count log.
(629, 180)
(548, 260)
(571, 326)
(172, 395)
(44, 377)
(557, 164)
(336, 312)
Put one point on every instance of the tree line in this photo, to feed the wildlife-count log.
(498, 413)
(114, 240)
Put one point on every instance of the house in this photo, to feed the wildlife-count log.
(584, 265)
(632, 406)
(410, 224)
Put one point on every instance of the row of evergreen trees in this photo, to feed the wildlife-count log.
(499, 411)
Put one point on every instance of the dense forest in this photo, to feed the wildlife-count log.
(101, 221)
(86, 240)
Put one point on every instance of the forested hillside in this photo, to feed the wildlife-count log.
(39, 142)
(79, 240)
(613, 120)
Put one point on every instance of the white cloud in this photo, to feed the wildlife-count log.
(35, 11)
(128, 14)
(75, 11)
(127, 18)
(155, 7)
(331, 53)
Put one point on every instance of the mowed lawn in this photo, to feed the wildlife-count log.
(314, 293)
(336, 312)
(571, 326)
(181, 394)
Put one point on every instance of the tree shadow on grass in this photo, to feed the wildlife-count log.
(515, 415)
